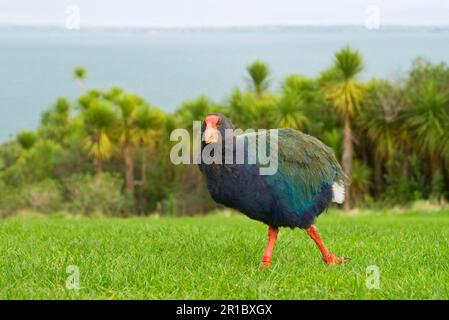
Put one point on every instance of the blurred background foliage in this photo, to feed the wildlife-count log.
(108, 151)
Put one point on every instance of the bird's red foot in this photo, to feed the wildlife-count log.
(330, 258)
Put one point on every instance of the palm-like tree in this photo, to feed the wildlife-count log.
(248, 111)
(380, 121)
(304, 86)
(427, 120)
(332, 139)
(361, 180)
(194, 110)
(289, 113)
(345, 94)
(99, 119)
(241, 108)
(137, 123)
(259, 72)
(85, 100)
(148, 120)
(445, 145)
(129, 105)
(80, 75)
(26, 140)
(148, 127)
(313, 101)
(56, 121)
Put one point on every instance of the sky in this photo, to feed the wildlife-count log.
(198, 13)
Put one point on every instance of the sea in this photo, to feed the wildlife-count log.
(168, 66)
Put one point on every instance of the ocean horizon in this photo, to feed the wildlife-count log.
(169, 65)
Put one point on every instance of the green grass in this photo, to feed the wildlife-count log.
(217, 257)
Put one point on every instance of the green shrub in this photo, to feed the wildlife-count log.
(101, 193)
(40, 160)
(361, 180)
(11, 200)
(44, 196)
(177, 204)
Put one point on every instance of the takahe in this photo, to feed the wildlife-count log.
(307, 180)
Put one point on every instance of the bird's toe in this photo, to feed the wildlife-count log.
(265, 264)
(332, 259)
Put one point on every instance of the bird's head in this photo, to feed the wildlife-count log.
(214, 127)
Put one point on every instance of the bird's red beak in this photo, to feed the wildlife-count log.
(211, 134)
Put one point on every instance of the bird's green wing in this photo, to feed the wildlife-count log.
(305, 167)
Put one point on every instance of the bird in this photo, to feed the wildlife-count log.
(307, 180)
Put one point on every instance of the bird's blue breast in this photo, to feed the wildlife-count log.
(242, 188)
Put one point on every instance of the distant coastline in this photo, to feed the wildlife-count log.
(331, 28)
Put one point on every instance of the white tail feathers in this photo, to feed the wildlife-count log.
(338, 192)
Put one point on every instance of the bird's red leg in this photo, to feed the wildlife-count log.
(272, 236)
(328, 257)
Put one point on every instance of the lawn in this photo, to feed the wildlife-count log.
(217, 257)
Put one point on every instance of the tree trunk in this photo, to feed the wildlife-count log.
(81, 84)
(437, 165)
(98, 166)
(144, 167)
(129, 168)
(406, 169)
(347, 158)
(378, 176)
(258, 92)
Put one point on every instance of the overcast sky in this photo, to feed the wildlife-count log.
(171, 13)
